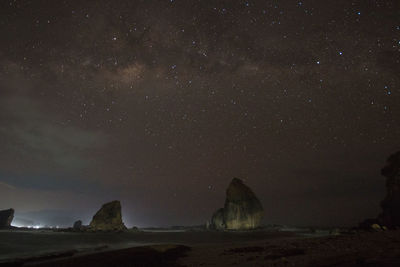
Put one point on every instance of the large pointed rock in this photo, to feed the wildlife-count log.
(242, 209)
(6, 217)
(108, 218)
(390, 216)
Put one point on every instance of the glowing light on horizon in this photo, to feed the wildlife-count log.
(26, 226)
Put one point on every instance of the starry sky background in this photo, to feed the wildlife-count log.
(161, 103)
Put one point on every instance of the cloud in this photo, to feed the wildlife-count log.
(27, 199)
(39, 149)
(7, 186)
(36, 134)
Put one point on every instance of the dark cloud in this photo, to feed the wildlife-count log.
(39, 150)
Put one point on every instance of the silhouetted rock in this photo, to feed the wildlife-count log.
(6, 217)
(242, 209)
(390, 216)
(108, 218)
(77, 225)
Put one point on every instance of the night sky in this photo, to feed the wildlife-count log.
(161, 103)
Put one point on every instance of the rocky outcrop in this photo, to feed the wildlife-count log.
(6, 217)
(108, 218)
(134, 229)
(217, 220)
(390, 216)
(242, 209)
(77, 225)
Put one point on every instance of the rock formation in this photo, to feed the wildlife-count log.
(134, 229)
(390, 216)
(77, 225)
(108, 218)
(6, 217)
(242, 209)
(217, 220)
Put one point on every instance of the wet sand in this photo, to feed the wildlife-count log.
(358, 249)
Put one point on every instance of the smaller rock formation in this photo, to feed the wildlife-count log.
(390, 216)
(217, 220)
(367, 224)
(6, 217)
(242, 209)
(77, 225)
(108, 218)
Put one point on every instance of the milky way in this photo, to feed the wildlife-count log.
(160, 103)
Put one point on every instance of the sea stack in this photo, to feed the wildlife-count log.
(6, 217)
(242, 209)
(390, 216)
(108, 218)
(77, 225)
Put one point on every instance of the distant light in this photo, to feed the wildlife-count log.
(340, 53)
(359, 13)
(17, 225)
(318, 62)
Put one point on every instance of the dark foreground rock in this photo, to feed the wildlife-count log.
(242, 209)
(108, 218)
(6, 217)
(390, 216)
